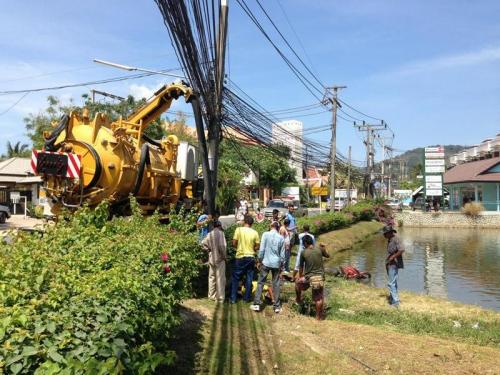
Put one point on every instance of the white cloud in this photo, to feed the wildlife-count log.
(482, 56)
(143, 91)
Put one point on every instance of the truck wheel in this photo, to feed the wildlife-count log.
(2, 217)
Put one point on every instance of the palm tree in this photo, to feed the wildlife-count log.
(18, 150)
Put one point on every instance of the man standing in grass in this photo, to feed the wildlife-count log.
(246, 241)
(271, 257)
(312, 273)
(301, 248)
(393, 263)
(215, 244)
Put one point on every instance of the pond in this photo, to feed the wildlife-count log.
(458, 264)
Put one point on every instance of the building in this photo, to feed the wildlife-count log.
(17, 178)
(290, 134)
(475, 181)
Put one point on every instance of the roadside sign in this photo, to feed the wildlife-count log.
(433, 162)
(434, 155)
(438, 169)
(15, 195)
(434, 169)
(434, 192)
(433, 185)
(433, 178)
(319, 190)
(434, 149)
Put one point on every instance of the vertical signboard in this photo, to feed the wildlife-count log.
(434, 167)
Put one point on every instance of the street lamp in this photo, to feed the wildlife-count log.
(133, 68)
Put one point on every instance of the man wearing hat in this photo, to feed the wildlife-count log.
(393, 263)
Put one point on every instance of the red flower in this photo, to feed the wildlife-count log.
(164, 257)
(167, 269)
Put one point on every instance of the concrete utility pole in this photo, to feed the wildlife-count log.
(214, 130)
(349, 177)
(370, 130)
(307, 176)
(331, 96)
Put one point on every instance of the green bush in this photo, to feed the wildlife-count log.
(362, 211)
(93, 296)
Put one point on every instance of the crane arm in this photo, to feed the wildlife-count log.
(160, 103)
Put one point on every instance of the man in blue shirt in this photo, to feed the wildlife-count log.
(271, 257)
(301, 248)
(202, 224)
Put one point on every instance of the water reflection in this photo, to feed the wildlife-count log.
(460, 264)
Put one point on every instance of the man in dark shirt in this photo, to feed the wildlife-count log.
(312, 273)
(393, 263)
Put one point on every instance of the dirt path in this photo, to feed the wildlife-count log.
(231, 339)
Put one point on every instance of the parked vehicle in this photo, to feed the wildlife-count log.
(281, 204)
(395, 204)
(4, 214)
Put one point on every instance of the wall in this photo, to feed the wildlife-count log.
(447, 219)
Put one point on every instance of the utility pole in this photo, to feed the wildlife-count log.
(307, 176)
(349, 177)
(370, 130)
(331, 96)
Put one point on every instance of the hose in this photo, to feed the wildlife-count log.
(51, 140)
(142, 166)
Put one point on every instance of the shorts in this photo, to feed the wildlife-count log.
(317, 294)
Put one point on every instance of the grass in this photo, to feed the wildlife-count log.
(357, 303)
(346, 238)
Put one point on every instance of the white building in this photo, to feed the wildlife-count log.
(290, 134)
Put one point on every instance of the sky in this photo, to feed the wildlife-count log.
(430, 69)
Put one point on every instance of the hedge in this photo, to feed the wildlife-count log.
(322, 223)
(93, 295)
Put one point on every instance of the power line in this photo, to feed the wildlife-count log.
(13, 105)
(304, 80)
(97, 82)
(289, 45)
(296, 36)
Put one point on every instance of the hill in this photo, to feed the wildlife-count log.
(415, 156)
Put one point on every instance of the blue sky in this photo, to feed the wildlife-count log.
(430, 69)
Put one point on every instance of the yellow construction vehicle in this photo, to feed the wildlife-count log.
(88, 160)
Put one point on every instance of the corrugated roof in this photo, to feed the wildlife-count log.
(16, 167)
(473, 172)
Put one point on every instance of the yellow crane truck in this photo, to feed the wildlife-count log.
(88, 160)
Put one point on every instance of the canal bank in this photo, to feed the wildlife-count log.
(361, 334)
(347, 238)
(450, 219)
(426, 335)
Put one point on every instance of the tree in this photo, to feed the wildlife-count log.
(178, 127)
(238, 160)
(18, 150)
(44, 121)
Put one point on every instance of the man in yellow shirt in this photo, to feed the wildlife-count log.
(246, 241)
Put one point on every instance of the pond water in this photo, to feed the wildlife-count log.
(458, 264)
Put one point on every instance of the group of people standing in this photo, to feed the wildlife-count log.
(270, 254)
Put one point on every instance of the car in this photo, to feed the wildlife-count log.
(281, 204)
(394, 203)
(4, 214)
